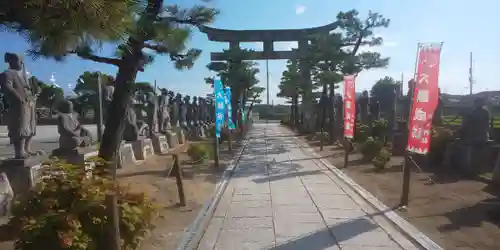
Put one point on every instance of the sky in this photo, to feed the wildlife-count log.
(463, 27)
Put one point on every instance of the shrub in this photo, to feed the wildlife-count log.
(68, 211)
(198, 152)
(361, 133)
(380, 161)
(371, 148)
(379, 128)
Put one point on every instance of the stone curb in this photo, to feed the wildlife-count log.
(415, 235)
(194, 233)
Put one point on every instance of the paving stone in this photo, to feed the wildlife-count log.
(298, 217)
(334, 201)
(225, 202)
(248, 223)
(243, 211)
(211, 234)
(352, 247)
(334, 215)
(360, 232)
(251, 197)
(315, 240)
(251, 239)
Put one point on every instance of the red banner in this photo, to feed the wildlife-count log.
(349, 106)
(425, 99)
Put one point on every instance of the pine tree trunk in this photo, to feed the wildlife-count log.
(122, 96)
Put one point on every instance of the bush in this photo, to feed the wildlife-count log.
(380, 161)
(68, 211)
(198, 152)
(371, 148)
(361, 133)
(380, 128)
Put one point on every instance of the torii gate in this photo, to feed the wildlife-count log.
(268, 37)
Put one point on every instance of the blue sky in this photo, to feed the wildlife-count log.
(463, 26)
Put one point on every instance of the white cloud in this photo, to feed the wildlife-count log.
(299, 9)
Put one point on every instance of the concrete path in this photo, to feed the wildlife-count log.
(280, 198)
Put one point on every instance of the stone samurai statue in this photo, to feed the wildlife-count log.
(71, 134)
(21, 96)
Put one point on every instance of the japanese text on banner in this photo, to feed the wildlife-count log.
(349, 106)
(425, 99)
(230, 123)
(220, 107)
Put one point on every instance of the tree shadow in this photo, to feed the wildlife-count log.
(487, 210)
(272, 178)
(328, 237)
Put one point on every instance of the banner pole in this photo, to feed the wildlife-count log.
(405, 192)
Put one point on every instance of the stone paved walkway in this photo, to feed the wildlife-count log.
(280, 198)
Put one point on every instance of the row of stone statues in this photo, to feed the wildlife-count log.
(164, 111)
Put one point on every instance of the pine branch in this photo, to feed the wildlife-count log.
(99, 59)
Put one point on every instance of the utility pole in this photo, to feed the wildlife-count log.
(267, 83)
(471, 78)
(267, 80)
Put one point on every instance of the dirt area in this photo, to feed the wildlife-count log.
(150, 177)
(451, 209)
(199, 184)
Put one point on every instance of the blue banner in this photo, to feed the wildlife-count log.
(220, 109)
(230, 123)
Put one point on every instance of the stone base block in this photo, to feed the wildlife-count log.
(77, 156)
(202, 131)
(143, 148)
(172, 139)
(23, 173)
(160, 144)
(6, 195)
(181, 138)
(126, 156)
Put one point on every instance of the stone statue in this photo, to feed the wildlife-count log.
(475, 126)
(183, 112)
(21, 97)
(363, 104)
(163, 111)
(107, 97)
(437, 118)
(176, 110)
(374, 110)
(72, 134)
(195, 111)
(152, 111)
(131, 132)
(203, 116)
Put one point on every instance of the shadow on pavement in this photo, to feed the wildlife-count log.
(286, 175)
(328, 237)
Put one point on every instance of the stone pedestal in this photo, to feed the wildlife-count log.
(399, 142)
(467, 158)
(143, 148)
(77, 156)
(181, 138)
(6, 195)
(160, 144)
(172, 138)
(126, 156)
(23, 173)
(201, 131)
